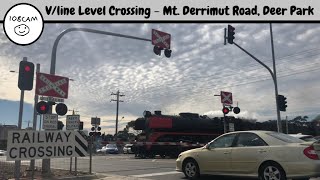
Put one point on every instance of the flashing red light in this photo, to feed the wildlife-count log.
(43, 108)
(225, 110)
(27, 68)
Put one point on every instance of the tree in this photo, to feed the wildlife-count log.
(299, 120)
(108, 137)
(317, 118)
(130, 128)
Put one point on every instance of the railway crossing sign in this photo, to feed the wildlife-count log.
(226, 98)
(52, 85)
(160, 39)
(27, 144)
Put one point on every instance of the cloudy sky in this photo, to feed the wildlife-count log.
(200, 67)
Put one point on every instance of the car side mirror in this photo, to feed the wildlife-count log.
(208, 147)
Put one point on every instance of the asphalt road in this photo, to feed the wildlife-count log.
(127, 165)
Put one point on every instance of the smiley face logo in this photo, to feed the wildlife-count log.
(23, 24)
(22, 30)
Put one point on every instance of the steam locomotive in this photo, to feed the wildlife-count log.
(169, 135)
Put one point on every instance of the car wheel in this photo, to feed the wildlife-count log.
(191, 169)
(271, 171)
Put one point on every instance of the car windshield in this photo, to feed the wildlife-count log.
(111, 146)
(285, 138)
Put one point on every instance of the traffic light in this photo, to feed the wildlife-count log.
(81, 125)
(26, 74)
(236, 110)
(61, 109)
(42, 107)
(225, 110)
(230, 34)
(282, 103)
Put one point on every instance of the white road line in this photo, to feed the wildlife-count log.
(156, 174)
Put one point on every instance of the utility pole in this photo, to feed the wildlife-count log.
(118, 95)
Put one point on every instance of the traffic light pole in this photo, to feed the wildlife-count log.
(46, 162)
(274, 81)
(18, 162)
(56, 42)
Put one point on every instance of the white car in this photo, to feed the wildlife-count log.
(265, 155)
(127, 149)
(3, 153)
(308, 138)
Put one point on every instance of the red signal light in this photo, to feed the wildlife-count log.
(27, 68)
(225, 110)
(43, 108)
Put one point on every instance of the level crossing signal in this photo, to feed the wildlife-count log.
(236, 110)
(282, 102)
(231, 34)
(42, 107)
(94, 133)
(61, 109)
(225, 110)
(26, 74)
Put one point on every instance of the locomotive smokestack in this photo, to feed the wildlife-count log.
(157, 112)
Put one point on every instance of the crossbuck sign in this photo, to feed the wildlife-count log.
(51, 85)
(160, 39)
(226, 98)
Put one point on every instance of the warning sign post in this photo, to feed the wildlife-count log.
(26, 144)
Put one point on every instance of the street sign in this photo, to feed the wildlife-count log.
(72, 122)
(160, 39)
(50, 122)
(26, 144)
(51, 85)
(95, 121)
(226, 98)
(53, 99)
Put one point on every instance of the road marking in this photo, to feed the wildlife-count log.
(156, 174)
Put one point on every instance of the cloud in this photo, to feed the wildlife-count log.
(200, 67)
